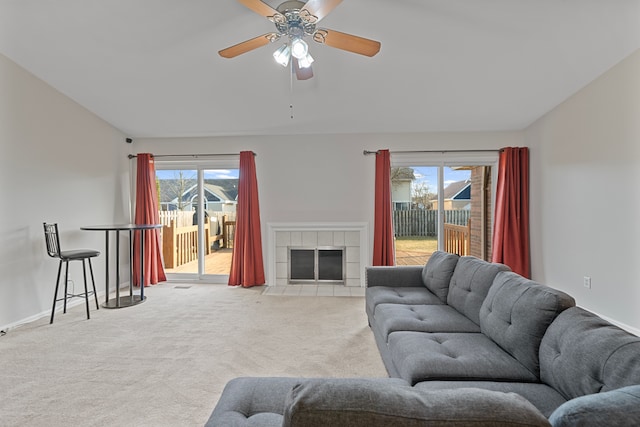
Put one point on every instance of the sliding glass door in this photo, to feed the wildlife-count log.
(197, 205)
(441, 205)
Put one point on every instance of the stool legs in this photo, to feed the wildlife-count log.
(55, 294)
(66, 290)
(93, 282)
(86, 291)
(66, 282)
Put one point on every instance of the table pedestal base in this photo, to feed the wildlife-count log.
(125, 301)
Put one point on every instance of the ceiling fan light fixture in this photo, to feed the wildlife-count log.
(295, 20)
(306, 61)
(299, 49)
(282, 55)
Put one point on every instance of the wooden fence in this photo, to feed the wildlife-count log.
(185, 218)
(425, 222)
(180, 243)
(457, 238)
(180, 218)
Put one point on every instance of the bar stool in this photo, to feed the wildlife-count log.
(53, 249)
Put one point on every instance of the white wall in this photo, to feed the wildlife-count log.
(58, 163)
(585, 194)
(321, 178)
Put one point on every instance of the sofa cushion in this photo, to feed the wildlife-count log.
(353, 403)
(619, 407)
(410, 295)
(397, 276)
(470, 283)
(517, 312)
(419, 356)
(420, 318)
(437, 272)
(583, 354)
(540, 395)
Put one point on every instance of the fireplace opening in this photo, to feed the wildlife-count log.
(316, 265)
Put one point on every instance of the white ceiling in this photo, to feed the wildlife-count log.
(151, 68)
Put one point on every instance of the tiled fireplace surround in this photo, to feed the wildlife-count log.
(353, 236)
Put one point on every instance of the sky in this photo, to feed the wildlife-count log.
(429, 175)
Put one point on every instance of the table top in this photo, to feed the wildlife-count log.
(119, 227)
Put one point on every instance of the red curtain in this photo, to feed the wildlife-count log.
(383, 247)
(247, 267)
(511, 227)
(147, 213)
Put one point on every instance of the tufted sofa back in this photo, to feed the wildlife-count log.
(582, 354)
(470, 284)
(516, 314)
(437, 272)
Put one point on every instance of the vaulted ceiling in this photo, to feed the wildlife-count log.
(151, 68)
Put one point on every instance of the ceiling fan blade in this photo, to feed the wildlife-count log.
(347, 42)
(319, 8)
(260, 7)
(248, 45)
(302, 73)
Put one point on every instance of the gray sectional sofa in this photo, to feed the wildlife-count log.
(465, 342)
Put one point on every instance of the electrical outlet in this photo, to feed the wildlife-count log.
(587, 282)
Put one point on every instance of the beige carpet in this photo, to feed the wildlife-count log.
(166, 361)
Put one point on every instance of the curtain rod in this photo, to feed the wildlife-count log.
(195, 156)
(367, 152)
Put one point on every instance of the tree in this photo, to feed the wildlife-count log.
(402, 174)
(175, 189)
(421, 196)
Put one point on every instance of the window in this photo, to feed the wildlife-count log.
(449, 207)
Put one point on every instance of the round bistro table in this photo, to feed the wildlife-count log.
(131, 299)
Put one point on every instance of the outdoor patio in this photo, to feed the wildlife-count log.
(412, 257)
(217, 262)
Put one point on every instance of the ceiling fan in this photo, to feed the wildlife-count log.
(295, 20)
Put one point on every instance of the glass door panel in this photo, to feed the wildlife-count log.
(414, 193)
(220, 188)
(441, 208)
(456, 203)
(177, 194)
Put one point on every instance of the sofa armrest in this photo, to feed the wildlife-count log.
(619, 407)
(395, 276)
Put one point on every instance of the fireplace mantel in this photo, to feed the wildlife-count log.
(353, 235)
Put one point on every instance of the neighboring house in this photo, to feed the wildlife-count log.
(457, 196)
(217, 197)
(401, 179)
(169, 189)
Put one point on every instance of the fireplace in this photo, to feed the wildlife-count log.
(351, 238)
(316, 265)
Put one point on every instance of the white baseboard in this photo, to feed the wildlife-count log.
(46, 313)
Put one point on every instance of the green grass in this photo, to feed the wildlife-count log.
(417, 244)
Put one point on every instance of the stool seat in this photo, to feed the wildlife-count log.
(52, 240)
(78, 254)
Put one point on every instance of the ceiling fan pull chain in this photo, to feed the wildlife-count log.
(291, 90)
